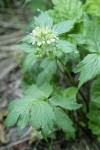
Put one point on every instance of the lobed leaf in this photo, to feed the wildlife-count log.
(88, 68)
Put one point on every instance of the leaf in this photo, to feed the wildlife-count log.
(25, 47)
(42, 92)
(92, 7)
(35, 92)
(47, 89)
(48, 71)
(67, 10)
(63, 27)
(90, 39)
(66, 46)
(29, 62)
(29, 109)
(64, 102)
(64, 122)
(17, 108)
(95, 91)
(43, 20)
(27, 39)
(70, 93)
(41, 115)
(89, 68)
(24, 119)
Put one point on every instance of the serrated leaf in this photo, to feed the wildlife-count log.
(34, 91)
(27, 109)
(47, 89)
(66, 46)
(95, 91)
(24, 119)
(64, 102)
(25, 47)
(63, 27)
(43, 20)
(88, 68)
(64, 122)
(67, 9)
(41, 114)
(42, 92)
(12, 118)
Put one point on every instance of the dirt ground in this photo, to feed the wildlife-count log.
(12, 24)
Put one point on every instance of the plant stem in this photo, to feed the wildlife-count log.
(73, 82)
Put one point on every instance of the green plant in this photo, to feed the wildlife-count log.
(64, 41)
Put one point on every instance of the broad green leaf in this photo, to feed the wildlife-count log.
(41, 115)
(29, 109)
(66, 46)
(95, 91)
(25, 47)
(29, 62)
(47, 89)
(64, 102)
(43, 20)
(63, 27)
(18, 108)
(93, 7)
(64, 122)
(34, 91)
(67, 10)
(88, 68)
(42, 92)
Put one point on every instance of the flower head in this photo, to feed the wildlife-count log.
(43, 36)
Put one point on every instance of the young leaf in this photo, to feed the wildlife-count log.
(89, 68)
(63, 27)
(43, 20)
(64, 102)
(64, 122)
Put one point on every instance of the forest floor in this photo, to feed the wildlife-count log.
(12, 24)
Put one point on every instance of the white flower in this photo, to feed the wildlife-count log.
(42, 36)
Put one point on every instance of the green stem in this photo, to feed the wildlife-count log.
(73, 82)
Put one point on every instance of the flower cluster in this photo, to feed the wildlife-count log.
(46, 40)
(43, 36)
